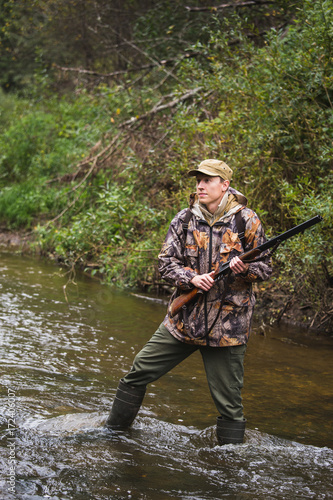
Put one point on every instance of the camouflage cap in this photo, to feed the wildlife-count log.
(213, 168)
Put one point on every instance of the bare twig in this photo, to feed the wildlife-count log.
(314, 319)
(291, 299)
(75, 199)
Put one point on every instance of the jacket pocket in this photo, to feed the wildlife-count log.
(191, 255)
(191, 251)
(230, 244)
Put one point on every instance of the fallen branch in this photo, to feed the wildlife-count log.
(161, 107)
(238, 5)
(102, 155)
(153, 64)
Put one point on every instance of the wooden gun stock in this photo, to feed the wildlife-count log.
(182, 300)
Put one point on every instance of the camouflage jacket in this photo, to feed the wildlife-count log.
(205, 248)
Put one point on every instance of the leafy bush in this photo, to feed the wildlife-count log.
(119, 237)
(21, 205)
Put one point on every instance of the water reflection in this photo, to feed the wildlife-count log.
(63, 361)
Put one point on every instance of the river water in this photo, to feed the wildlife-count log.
(62, 353)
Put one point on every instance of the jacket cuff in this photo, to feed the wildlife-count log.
(250, 276)
(186, 283)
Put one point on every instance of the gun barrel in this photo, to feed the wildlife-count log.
(291, 232)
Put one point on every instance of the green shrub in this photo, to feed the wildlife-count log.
(119, 235)
(21, 205)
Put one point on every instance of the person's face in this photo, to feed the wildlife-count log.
(210, 190)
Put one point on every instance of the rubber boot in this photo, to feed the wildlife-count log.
(230, 431)
(125, 406)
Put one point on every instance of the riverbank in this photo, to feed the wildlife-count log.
(275, 305)
(15, 241)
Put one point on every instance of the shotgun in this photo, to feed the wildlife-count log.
(187, 297)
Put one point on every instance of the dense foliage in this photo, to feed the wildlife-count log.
(97, 173)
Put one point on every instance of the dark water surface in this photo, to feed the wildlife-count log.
(59, 368)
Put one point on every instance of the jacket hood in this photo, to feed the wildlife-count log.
(231, 203)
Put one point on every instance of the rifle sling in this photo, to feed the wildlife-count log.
(240, 227)
(223, 296)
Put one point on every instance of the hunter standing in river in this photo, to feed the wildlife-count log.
(216, 228)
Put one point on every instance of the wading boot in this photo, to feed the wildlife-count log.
(125, 406)
(230, 431)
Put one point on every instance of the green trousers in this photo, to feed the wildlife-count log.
(224, 369)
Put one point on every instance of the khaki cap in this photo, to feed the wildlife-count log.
(214, 168)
